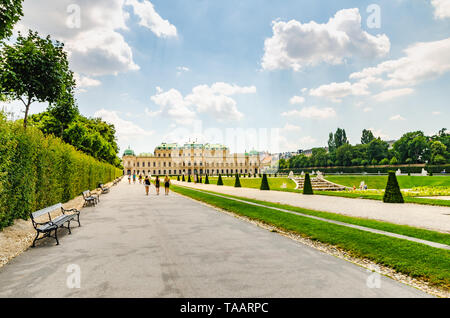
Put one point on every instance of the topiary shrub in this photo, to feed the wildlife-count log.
(237, 182)
(392, 193)
(178, 178)
(307, 187)
(219, 181)
(183, 179)
(206, 179)
(189, 178)
(200, 180)
(264, 183)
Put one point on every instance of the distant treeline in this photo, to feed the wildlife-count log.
(411, 148)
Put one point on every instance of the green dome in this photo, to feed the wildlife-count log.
(129, 152)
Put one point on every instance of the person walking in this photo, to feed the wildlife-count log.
(140, 178)
(166, 184)
(147, 184)
(134, 178)
(129, 179)
(157, 184)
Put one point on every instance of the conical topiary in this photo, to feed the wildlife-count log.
(219, 181)
(237, 182)
(307, 187)
(183, 179)
(392, 193)
(178, 178)
(206, 179)
(189, 178)
(200, 180)
(264, 183)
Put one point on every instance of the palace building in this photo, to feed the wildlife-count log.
(190, 159)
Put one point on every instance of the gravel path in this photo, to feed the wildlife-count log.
(131, 245)
(423, 216)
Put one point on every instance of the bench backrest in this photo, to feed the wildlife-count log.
(101, 185)
(86, 193)
(46, 210)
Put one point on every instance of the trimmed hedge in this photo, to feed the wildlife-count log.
(393, 193)
(237, 182)
(307, 186)
(264, 183)
(219, 181)
(37, 171)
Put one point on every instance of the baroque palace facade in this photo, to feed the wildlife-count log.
(190, 159)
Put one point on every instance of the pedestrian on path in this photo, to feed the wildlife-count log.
(140, 178)
(157, 185)
(129, 179)
(134, 178)
(147, 184)
(166, 184)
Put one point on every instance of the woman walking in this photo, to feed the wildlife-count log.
(129, 179)
(166, 184)
(157, 185)
(134, 178)
(147, 184)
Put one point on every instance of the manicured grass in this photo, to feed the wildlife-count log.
(255, 183)
(379, 182)
(414, 259)
(371, 196)
(423, 234)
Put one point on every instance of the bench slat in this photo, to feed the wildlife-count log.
(46, 210)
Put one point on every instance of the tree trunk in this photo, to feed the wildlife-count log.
(25, 120)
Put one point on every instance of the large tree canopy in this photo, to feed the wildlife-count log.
(35, 69)
(10, 13)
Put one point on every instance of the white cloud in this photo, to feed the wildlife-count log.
(367, 109)
(435, 113)
(150, 19)
(291, 128)
(423, 61)
(297, 100)
(397, 118)
(336, 91)
(182, 69)
(90, 30)
(295, 44)
(289, 138)
(214, 100)
(378, 133)
(441, 8)
(83, 81)
(311, 113)
(126, 130)
(393, 93)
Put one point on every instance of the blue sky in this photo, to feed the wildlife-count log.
(175, 69)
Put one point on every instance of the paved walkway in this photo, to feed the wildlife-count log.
(131, 245)
(435, 218)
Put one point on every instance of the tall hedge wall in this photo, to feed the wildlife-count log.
(37, 171)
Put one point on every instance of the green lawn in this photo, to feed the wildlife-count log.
(414, 259)
(379, 182)
(255, 183)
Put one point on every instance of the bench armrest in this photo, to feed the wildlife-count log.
(70, 210)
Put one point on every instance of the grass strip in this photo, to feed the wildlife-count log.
(406, 230)
(411, 258)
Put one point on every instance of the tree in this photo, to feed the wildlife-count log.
(319, 157)
(377, 149)
(340, 138)
(237, 182)
(394, 161)
(307, 186)
(64, 110)
(392, 193)
(264, 183)
(367, 137)
(344, 155)
(10, 14)
(331, 145)
(438, 151)
(35, 70)
(412, 145)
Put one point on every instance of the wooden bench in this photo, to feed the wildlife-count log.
(103, 188)
(90, 199)
(51, 225)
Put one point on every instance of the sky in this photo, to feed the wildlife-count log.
(254, 74)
